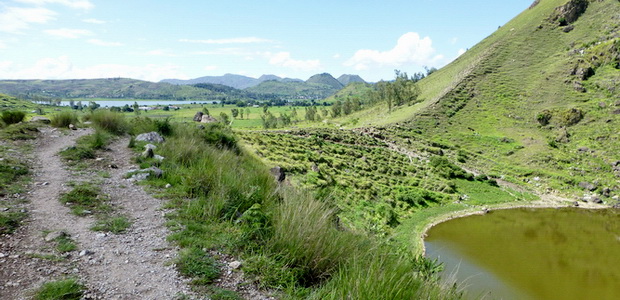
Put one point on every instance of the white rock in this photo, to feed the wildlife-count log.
(235, 265)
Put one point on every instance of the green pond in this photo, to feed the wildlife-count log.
(544, 253)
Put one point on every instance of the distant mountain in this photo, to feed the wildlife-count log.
(345, 79)
(268, 77)
(327, 79)
(232, 80)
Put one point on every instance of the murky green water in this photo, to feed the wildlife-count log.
(550, 253)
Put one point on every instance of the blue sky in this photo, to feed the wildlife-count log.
(153, 40)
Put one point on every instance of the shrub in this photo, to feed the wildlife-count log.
(544, 117)
(20, 131)
(572, 116)
(64, 119)
(12, 116)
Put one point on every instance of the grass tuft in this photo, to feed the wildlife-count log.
(64, 119)
(116, 225)
(67, 289)
(85, 199)
(195, 263)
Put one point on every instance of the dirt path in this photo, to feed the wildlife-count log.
(132, 265)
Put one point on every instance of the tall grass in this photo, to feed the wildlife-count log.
(109, 121)
(64, 119)
(228, 200)
(9, 117)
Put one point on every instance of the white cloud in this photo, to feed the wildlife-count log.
(16, 19)
(461, 52)
(336, 56)
(224, 51)
(62, 68)
(454, 40)
(94, 21)
(68, 33)
(410, 48)
(210, 68)
(98, 42)
(75, 4)
(284, 59)
(2, 45)
(241, 40)
(161, 52)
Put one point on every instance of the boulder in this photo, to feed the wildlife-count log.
(587, 186)
(278, 173)
(198, 116)
(40, 119)
(208, 119)
(151, 137)
(148, 153)
(54, 235)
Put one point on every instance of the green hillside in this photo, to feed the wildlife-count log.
(115, 88)
(531, 111)
(538, 98)
(293, 89)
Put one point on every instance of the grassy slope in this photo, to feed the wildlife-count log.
(484, 107)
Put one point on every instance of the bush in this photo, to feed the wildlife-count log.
(109, 121)
(12, 116)
(64, 119)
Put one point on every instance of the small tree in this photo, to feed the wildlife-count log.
(234, 112)
(205, 111)
(224, 118)
(136, 108)
(247, 112)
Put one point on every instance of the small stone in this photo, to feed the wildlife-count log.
(235, 265)
(86, 252)
(72, 127)
(54, 235)
(150, 146)
(168, 186)
(99, 159)
(2, 255)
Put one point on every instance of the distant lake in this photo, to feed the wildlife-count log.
(121, 103)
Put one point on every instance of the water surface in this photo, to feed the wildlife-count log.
(565, 253)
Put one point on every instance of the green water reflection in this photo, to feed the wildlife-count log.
(565, 253)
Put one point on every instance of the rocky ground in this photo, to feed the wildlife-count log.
(133, 265)
(136, 264)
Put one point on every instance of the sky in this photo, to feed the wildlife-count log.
(183, 39)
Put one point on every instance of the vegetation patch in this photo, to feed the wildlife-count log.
(113, 224)
(66, 289)
(9, 221)
(85, 199)
(195, 263)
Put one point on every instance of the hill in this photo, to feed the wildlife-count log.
(537, 101)
(104, 88)
(345, 79)
(532, 111)
(326, 79)
(231, 80)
